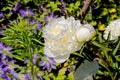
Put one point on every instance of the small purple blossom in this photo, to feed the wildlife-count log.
(38, 27)
(27, 76)
(61, 0)
(48, 63)
(63, 8)
(26, 12)
(33, 21)
(35, 57)
(4, 49)
(1, 14)
(41, 7)
(38, 74)
(50, 17)
(6, 70)
(16, 7)
(1, 32)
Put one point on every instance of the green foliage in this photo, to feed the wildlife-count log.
(20, 36)
(61, 74)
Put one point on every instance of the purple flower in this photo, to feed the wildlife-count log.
(26, 12)
(9, 69)
(63, 7)
(35, 57)
(6, 70)
(41, 78)
(16, 7)
(2, 31)
(27, 77)
(32, 21)
(38, 74)
(1, 47)
(1, 14)
(3, 50)
(61, 0)
(50, 17)
(38, 27)
(48, 63)
(42, 7)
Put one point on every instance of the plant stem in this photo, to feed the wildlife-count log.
(84, 9)
(32, 66)
(106, 66)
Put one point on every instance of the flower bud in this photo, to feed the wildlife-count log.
(85, 33)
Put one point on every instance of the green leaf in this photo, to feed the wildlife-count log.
(53, 5)
(71, 5)
(46, 77)
(77, 4)
(1, 78)
(86, 70)
(52, 76)
(88, 16)
(117, 58)
(18, 57)
(103, 48)
(70, 76)
(116, 48)
(61, 73)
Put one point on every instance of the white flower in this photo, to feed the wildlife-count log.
(112, 30)
(60, 38)
(85, 33)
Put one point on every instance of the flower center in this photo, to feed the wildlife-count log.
(56, 30)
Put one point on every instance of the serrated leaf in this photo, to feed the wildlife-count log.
(86, 70)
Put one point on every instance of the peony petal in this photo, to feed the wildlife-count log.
(83, 34)
(61, 58)
(48, 52)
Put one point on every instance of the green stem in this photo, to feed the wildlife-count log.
(106, 66)
(32, 65)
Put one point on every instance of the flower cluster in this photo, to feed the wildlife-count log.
(5, 68)
(64, 36)
(112, 31)
(48, 63)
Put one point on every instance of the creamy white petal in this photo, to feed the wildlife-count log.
(48, 52)
(61, 58)
(112, 30)
(85, 33)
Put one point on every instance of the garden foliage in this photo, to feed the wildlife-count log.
(45, 40)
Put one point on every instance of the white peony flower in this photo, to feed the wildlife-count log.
(112, 30)
(60, 38)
